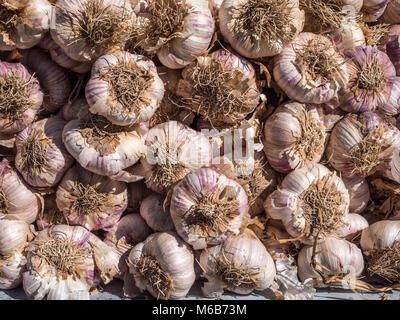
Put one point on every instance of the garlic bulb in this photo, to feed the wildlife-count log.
(51, 215)
(64, 263)
(102, 147)
(89, 200)
(163, 265)
(373, 9)
(359, 193)
(221, 87)
(88, 29)
(70, 111)
(393, 47)
(17, 199)
(373, 83)
(381, 244)
(361, 145)
(311, 201)
(392, 12)
(310, 70)
(354, 224)
(333, 257)
(14, 235)
(20, 97)
(23, 23)
(137, 192)
(260, 28)
(348, 36)
(206, 207)
(41, 156)
(11, 269)
(53, 79)
(170, 154)
(240, 264)
(294, 136)
(153, 212)
(124, 88)
(177, 31)
(58, 56)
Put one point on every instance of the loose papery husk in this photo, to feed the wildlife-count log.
(11, 269)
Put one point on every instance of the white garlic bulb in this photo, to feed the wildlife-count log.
(349, 36)
(124, 88)
(11, 269)
(260, 28)
(163, 265)
(240, 264)
(156, 216)
(359, 193)
(14, 235)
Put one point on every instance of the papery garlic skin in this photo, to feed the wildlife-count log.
(380, 235)
(11, 269)
(242, 253)
(300, 82)
(202, 193)
(41, 156)
(361, 145)
(135, 102)
(89, 200)
(294, 136)
(108, 153)
(221, 87)
(72, 18)
(58, 56)
(349, 36)
(373, 9)
(70, 111)
(248, 42)
(354, 224)
(17, 199)
(24, 113)
(373, 83)
(51, 215)
(294, 204)
(170, 154)
(153, 212)
(32, 21)
(175, 259)
(359, 193)
(392, 12)
(336, 255)
(53, 79)
(14, 235)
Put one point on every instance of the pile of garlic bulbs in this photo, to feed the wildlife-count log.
(249, 146)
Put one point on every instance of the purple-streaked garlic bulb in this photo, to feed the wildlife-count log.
(240, 264)
(124, 88)
(221, 87)
(51, 215)
(58, 56)
(392, 12)
(294, 136)
(361, 145)
(14, 235)
(53, 79)
(86, 30)
(66, 262)
(310, 69)
(372, 82)
(381, 244)
(372, 10)
(102, 147)
(20, 97)
(171, 156)
(156, 216)
(393, 46)
(354, 224)
(70, 111)
(348, 36)
(311, 202)
(23, 23)
(137, 192)
(260, 28)
(89, 200)
(206, 207)
(11, 270)
(177, 31)
(41, 156)
(332, 257)
(253, 173)
(163, 265)
(17, 199)
(359, 193)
